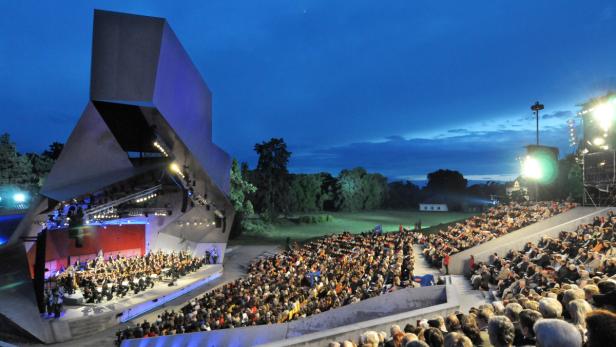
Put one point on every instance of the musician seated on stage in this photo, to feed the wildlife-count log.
(101, 279)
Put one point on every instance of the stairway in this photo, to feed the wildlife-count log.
(469, 297)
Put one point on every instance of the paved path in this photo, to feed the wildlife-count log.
(468, 296)
(421, 265)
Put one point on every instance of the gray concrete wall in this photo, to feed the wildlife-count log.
(400, 307)
(400, 301)
(17, 299)
(567, 221)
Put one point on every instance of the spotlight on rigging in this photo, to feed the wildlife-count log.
(540, 164)
(604, 115)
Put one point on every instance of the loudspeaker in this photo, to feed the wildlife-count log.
(39, 269)
(184, 200)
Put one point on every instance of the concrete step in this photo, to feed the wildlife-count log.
(92, 325)
(469, 297)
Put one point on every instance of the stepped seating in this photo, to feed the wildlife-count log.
(566, 221)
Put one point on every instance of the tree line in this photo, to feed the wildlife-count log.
(25, 171)
(270, 191)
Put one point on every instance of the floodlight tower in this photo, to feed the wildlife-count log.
(536, 107)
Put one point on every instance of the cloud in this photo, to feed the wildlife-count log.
(558, 114)
(457, 131)
(395, 138)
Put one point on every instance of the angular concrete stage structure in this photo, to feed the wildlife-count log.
(141, 153)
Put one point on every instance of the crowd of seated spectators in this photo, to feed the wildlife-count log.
(500, 325)
(497, 221)
(103, 279)
(320, 275)
(559, 292)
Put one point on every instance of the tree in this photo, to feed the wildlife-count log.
(306, 194)
(446, 182)
(375, 188)
(403, 194)
(240, 190)
(15, 169)
(358, 190)
(41, 165)
(575, 182)
(349, 189)
(487, 190)
(54, 150)
(568, 184)
(272, 178)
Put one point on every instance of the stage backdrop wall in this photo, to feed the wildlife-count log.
(127, 240)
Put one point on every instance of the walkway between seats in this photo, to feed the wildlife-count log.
(421, 264)
(468, 296)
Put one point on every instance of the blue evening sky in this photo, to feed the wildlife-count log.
(400, 87)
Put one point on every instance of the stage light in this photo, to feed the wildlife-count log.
(598, 141)
(604, 115)
(176, 168)
(161, 149)
(531, 168)
(540, 166)
(19, 197)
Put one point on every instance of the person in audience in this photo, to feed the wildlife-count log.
(578, 309)
(601, 325)
(457, 340)
(528, 318)
(370, 339)
(557, 333)
(471, 329)
(434, 337)
(501, 331)
(550, 308)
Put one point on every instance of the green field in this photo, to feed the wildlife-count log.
(355, 222)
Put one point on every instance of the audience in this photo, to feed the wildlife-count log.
(326, 273)
(547, 294)
(556, 292)
(497, 221)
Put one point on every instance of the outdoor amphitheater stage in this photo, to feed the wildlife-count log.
(83, 319)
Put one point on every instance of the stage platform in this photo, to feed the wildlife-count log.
(81, 320)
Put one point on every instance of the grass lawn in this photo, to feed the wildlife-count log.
(354, 222)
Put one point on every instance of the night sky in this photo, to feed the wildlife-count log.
(399, 87)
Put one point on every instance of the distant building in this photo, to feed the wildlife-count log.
(434, 204)
(516, 187)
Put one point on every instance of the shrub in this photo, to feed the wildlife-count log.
(256, 225)
(315, 219)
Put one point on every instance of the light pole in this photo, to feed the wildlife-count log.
(536, 107)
